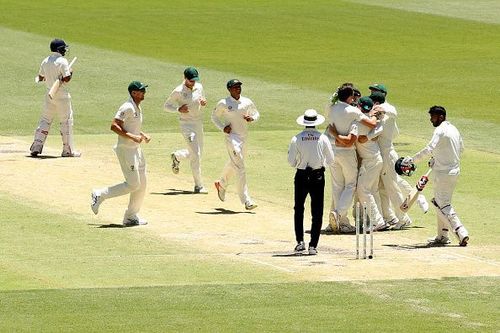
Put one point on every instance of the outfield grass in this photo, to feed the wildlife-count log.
(60, 274)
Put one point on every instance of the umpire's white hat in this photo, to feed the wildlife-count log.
(310, 118)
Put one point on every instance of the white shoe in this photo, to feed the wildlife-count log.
(333, 220)
(96, 201)
(71, 154)
(393, 222)
(200, 190)
(175, 163)
(133, 221)
(422, 203)
(249, 205)
(312, 251)
(221, 191)
(301, 246)
(439, 240)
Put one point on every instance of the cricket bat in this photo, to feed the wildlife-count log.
(412, 196)
(55, 87)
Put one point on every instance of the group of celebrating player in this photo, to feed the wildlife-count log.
(357, 147)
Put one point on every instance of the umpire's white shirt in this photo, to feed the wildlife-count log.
(131, 115)
(311, 149)
(446, 145)
(345, 117)
(230, 111)
(183, 95)
(55, 67)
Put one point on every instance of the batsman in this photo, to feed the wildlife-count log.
(446, 147)
(56, 72)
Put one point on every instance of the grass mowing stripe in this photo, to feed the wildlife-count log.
(32, 241)
(322, 307)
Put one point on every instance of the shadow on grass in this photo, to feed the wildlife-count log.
(173, 191)
(104, 226)
(223, 211)
(43, 157)
(417, 246)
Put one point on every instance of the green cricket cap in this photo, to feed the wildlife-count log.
(378, 87)
(233, 82)
(365, 103)
(137, 85)
(191, 73)
(378, 97)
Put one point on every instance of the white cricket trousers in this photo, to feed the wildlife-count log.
(367, 188)
(444, 185)
(193, 134)
(62, 108)
(344, 173)
(133, 167)
(236, 148)
(390, 188)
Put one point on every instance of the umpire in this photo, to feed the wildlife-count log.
(309, 152)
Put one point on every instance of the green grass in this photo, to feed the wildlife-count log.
(312, 307)
(57, 273)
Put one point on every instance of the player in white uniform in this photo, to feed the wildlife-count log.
(343, 119)
(127, 124)
(232, 115)
(370, 168)
(187, 100)
(53, 68)
(309, 152)
(446, 146)
(393, 188)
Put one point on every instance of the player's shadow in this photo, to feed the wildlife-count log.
(292, 254)
(417, 246)
(43, 157)
(173, 191)
(105, 226)
(223, 211)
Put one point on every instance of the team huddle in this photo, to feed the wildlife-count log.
(357, 147)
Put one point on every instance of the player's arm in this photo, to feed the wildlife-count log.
(216, 117)
(251, 114)
(117, 127)
(173, 105)
(146, 137)
(428, 149)
(342, 140)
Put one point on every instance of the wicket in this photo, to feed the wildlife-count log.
(367, 227)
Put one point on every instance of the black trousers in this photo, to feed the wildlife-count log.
(310, 182)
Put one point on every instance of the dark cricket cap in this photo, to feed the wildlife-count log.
(233, 82)
(378, 87)
(365, 103)
(137, 85)
(191, 73)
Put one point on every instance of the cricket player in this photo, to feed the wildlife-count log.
(371, 165)
(392, 187)
(187, 100)
(232, 116)
(343, 126)
(309, 152)
(127, 124)
(56, 67)
(446, 146)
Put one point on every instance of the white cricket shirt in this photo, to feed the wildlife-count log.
(310, 148)
(370, 149)
(183, 95)
(345, 117)
(230, 111)
(446, 145)
(55, 67)
(131, 115)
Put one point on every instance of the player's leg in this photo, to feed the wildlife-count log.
(129, 164)
(444, 185)
(369, 175)
(43, 128)
(349, 164)
(337, 181)
(194, 140)
(65, 112)
(137, 196)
